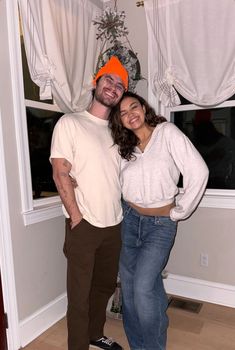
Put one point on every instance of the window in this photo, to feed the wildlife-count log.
(34, 121)
(41, 120)
(212, 131)
(40, 127)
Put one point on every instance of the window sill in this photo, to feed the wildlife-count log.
(219, 199)
(42, 212)
(49, 209)
(224, 199)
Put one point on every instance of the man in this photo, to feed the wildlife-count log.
(82, 148)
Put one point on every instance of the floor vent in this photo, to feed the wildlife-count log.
(185, 304)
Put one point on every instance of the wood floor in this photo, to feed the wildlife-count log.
(213, 328)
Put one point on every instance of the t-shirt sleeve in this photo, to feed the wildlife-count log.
(63, 139)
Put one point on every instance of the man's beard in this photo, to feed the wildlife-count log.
(106, 101)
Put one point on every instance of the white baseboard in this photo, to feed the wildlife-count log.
(182, 286)
(192, 288)
(44, 318)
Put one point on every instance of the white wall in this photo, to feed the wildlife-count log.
(208, 231)
(136, 24)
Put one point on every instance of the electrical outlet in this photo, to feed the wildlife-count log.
(204, 259)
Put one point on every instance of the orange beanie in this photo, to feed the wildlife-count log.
(113, 66)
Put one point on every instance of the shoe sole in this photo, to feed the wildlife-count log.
(97, 347)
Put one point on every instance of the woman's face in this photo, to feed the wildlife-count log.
(132, 113)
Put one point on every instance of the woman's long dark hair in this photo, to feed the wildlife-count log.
(124, 138)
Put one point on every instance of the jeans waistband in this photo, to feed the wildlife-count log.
(128, 209)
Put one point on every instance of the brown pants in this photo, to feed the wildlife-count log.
(92, 266)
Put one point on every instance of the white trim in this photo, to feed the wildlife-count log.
(42, 105)
(192, 107)
(43, 213)
(6, 257)
(40, 321)
(182, 286)
(19, 107)
(224, 199)
(43, 202)
(192, 288)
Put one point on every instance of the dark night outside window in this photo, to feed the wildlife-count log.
(40, 125)
(212, 131)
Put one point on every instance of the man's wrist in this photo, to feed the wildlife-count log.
(75, 221)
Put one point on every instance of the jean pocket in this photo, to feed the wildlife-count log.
(166, 222)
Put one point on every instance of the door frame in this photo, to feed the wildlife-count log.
(6, 258)
(3, 333)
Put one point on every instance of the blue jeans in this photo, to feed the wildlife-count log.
(146, 245)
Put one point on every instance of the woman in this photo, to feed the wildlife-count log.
(154, 152)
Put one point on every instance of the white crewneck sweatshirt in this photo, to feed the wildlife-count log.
(150, 180)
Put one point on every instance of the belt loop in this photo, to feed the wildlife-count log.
(156, 220)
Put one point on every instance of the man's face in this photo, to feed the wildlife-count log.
(109, 90)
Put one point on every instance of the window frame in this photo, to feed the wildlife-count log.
(213, 198)
(42, 208)
(33, 211)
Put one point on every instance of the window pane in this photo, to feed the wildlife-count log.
(212, 131)
(40, 127)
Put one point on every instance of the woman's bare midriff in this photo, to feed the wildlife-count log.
(161, 211)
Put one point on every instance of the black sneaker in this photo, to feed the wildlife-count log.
(106, 344)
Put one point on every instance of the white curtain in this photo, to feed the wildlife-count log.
(191, 49)
(61, 49)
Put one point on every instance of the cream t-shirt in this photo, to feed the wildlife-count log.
(85, 141)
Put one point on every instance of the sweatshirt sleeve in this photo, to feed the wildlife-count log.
(193, 169)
